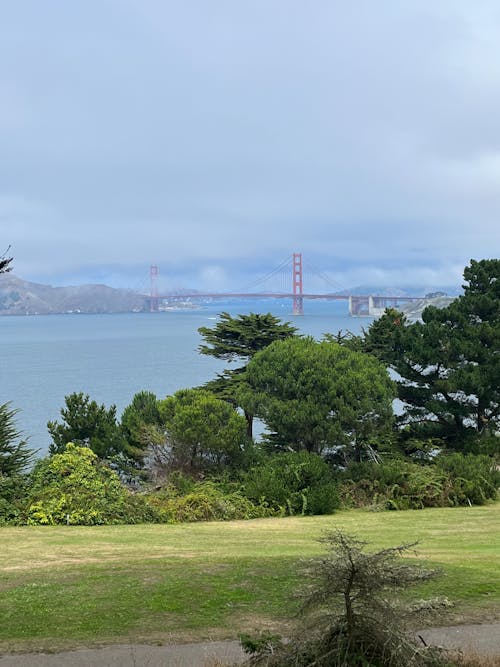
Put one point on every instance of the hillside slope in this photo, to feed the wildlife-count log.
(20, 297)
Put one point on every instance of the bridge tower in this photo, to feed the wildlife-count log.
(154, 301)
(298, 301)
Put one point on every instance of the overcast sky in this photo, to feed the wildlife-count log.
(216, 137)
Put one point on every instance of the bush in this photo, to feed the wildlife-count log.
(475, 478)
(12, 499)
(293, 483)
(451, 480)
(395, 485)
(74, 487)
(204, 502)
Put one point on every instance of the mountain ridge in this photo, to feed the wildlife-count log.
(21, 297)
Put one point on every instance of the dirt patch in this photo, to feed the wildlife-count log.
(107, 557)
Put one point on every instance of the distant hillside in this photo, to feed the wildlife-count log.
(19, 297)
(363, 290)
(397, 291)
(414, 309)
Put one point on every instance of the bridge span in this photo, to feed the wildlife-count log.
(359, 305)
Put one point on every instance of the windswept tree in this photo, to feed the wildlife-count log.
(237, 340)
(5, 262)
(319, 396)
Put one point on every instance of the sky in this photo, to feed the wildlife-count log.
(214, 139)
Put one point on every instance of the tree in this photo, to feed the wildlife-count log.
(137, 421)
(15, 456)
(238, 339)
(85, 422)
(449, 363)
(319, 396)
(350, 612)
(5, 262)
(202, 431)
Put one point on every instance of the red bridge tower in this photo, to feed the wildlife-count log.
(298, 301)
(154, 301)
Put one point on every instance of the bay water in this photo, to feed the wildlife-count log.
(111, 357)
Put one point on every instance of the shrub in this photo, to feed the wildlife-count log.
(12, 499)
(204, 502)
(294, 483)
(453, 479)
(395, 485)
(475, 478)
(74, 487)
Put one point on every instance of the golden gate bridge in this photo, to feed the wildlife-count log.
(359, 305)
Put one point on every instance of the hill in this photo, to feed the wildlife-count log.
(20, 297)
(414, 309)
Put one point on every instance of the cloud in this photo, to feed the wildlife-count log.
(215, 139)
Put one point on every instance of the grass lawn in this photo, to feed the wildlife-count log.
(71, 586)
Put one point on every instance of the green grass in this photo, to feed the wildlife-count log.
(70, 586)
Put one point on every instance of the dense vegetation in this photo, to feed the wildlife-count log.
(331, 440)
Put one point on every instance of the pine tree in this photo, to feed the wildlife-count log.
(15, 456)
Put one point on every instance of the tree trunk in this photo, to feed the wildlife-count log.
(249, 420)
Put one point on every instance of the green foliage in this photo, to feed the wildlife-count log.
(351, 615)
(293, 483)
(204, 501)
(202, 431)
(15, 456)
(395, 485)
(137, 420)
(239, 339)
(318, 396)
(13, 494)
(347, 339)
(399, 484)
(86, 423)
(448, 364)
(475, 479)
(75, 487)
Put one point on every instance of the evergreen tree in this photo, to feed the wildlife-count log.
(202, 432)
(139, 421)
(448, 365)
(319, 396)
(238, 339)
(84, 422)
(15, 456)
